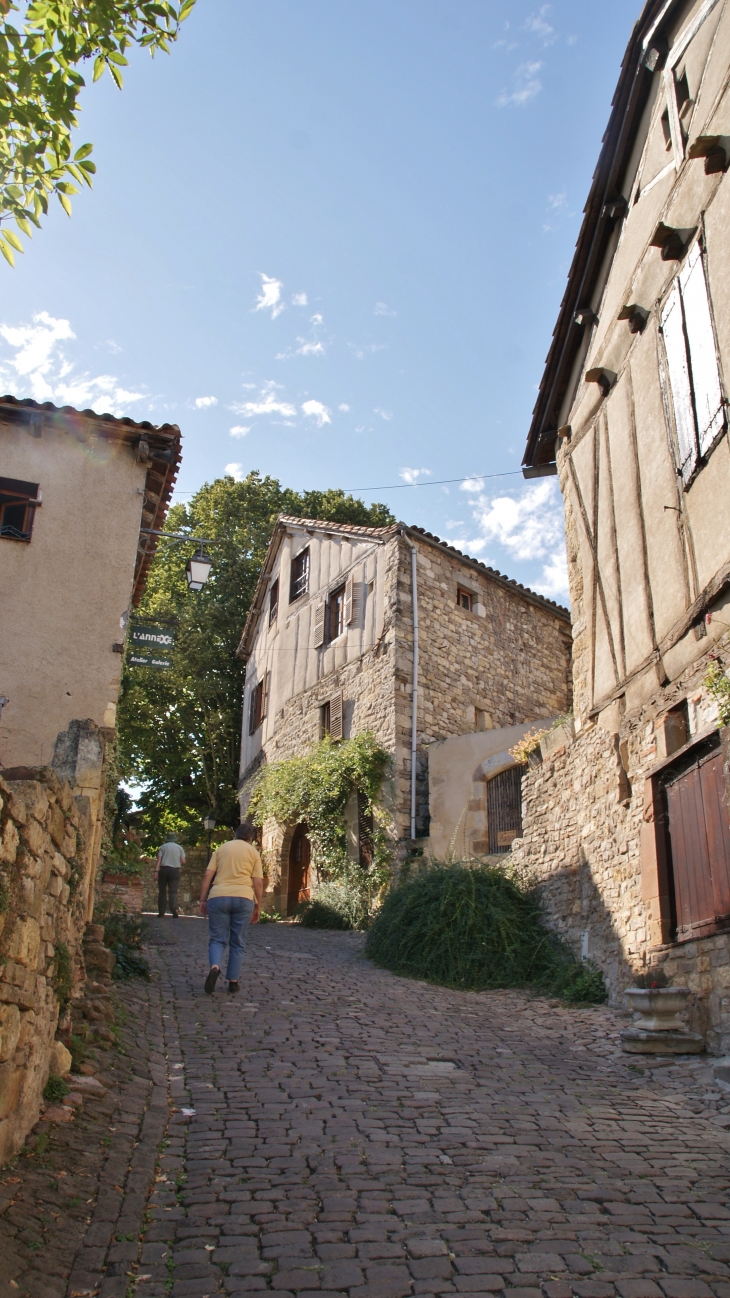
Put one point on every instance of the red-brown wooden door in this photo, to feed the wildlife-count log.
(699, 835)
(299, 858)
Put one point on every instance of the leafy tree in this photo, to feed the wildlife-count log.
(40, 84)
(180, 729)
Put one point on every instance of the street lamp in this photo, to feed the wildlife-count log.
(199, 566)
(209, 823)
(198, 570)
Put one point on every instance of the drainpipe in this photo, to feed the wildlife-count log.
(414, 714)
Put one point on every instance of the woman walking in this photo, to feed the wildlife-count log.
(230, 895)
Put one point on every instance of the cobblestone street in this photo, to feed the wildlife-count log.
(356, 1133)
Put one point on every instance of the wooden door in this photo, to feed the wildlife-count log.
(504, 809)
(299, 857)
(699, 837)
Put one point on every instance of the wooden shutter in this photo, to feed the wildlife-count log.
(348, 602)
(319, 613)
(700, 846)
(336, 716)
(679, 380)
(252, 709)
(702, 352)
(264, 695)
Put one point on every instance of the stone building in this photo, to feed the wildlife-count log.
(330, 644)
(76, 491)
(626, 821)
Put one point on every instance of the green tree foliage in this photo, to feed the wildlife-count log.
(180, 730)
(40, 83)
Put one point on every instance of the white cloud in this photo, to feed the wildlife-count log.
(203, 402)
(37, 366)
(366, 349)
(113, 347)
(306, 346)
(527, 85)
(316, 319)
(384, 414)
(382, 308)
(267, 403)
(538, 25)
(234, 471)
(528, 526)
(240, 430)
(269, 298)
(315, 410)
(299, 299)
(412, 475)
(343, 406)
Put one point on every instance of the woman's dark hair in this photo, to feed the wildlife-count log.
(246, 831)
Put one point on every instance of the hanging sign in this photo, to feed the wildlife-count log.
(151, 637)
(148, 660)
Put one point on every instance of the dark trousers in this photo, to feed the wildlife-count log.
(168, 879)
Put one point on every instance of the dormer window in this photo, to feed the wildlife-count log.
(299, 582)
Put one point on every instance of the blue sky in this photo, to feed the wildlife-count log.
(329, 240)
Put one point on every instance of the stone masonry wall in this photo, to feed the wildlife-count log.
(583, 816)
(44, 837)
(506, 662)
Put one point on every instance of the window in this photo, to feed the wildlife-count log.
(274, 601)
(332, 717)
(18, 502)
(504, 809)
(464, 599)
(257, 704)
(689, 342)
(299, 583)
(335, 614)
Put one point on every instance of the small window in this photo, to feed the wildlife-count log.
(335, 614)
(299, 584)
(18, 502)
(332, 717)
(464, 599)
(257, 705)
(666, 129)
(274, 601)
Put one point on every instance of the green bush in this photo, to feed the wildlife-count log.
(317, 914)
(55, 1090)
(129, 964)
(476, 928)
(124, 934)
(62, 978)
(78, 1052)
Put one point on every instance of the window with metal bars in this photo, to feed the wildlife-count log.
(299, 581)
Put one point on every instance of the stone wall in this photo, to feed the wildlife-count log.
(44, 853)
(585, 820)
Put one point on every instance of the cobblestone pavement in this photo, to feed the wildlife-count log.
(358, 1133)
(354, 1133)
(68, 1182)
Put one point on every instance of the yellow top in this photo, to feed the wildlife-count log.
(235, 865)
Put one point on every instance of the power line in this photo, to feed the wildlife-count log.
(437, 482)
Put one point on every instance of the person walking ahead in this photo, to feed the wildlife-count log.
(230, 895)
(167, 874)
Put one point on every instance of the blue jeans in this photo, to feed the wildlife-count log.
(228, 919)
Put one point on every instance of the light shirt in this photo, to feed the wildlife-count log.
(235, 865)
(172, 856)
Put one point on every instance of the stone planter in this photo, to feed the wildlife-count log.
(658, 1030)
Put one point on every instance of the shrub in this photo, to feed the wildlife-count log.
(55, 1090)
(317, 914)
(129, 964)
(476, 928)
(124, 934)
(77, 1047)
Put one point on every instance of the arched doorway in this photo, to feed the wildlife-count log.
(504, 809)
(299, 857)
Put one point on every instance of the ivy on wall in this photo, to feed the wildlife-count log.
(717, 684)
(315, 789)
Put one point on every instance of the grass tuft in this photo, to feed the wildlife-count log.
(473, 927)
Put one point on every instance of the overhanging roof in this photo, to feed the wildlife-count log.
(627, 107)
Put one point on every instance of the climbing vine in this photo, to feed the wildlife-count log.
(717, 684)
(315, 789)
